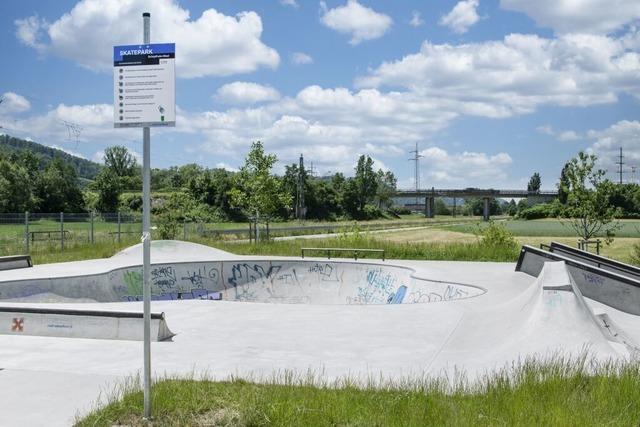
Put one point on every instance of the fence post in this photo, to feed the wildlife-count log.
(91, 216)
(184, 229)
(26, 230)
(61, 231)
(119, 226)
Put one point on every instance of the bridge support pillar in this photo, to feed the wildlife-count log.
(429, 207)
(485, 210)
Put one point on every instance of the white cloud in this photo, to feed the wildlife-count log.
(212, 45)
(223, 165)
(14, 103)
(301, 58)
(461, 168)
(416, 19)
(68, 151)
(463, 15)
(568, 135)
(518, 74)
(607, 143)
(583, 16)
(361, 22)
(28, 31)
(246, 93)
(546, 130)
(292, 3)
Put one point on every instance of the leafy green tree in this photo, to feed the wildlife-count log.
(186, 174)
(534, 183)
(256, 190)
(16, 188)
(57, 188)
(361, 189)
(109, 187)
(120, 160)
(587, 210)
(386, 188)
(512, 208)
(475, 206)
(441, 208)
(563, 185)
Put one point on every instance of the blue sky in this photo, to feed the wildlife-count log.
(491, 90)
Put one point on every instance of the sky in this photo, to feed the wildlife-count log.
(490, 90)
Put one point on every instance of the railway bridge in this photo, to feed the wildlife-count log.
(430, 195)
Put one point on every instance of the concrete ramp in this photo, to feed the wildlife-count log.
(608, 287)
(67, 323)
(564, 320)
(595, 260)
(550, 318)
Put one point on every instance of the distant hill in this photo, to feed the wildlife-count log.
(86, 169)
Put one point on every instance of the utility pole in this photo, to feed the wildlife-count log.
(633, 174)
(620, 163)
(416, 159)
(300, 207)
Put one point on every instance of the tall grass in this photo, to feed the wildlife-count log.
(572, 392)
(474, 251)
(75, 251)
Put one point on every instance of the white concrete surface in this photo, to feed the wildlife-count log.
(46, 381)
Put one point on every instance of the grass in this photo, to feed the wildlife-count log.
(545, 227)
(43, 254)
(560, 392)
(465, 251)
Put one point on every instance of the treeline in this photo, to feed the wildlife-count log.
(197, 193)
(581, 182)
(27, 186)
(192, 192)
(84, 168)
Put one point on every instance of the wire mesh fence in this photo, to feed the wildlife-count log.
(25, 232)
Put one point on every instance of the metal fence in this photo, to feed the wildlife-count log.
(23, 232)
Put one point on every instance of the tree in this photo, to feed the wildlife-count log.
(441, 208)
(16, 189)
(563, 185)
(109, 188)
(512, 209)
(256, 190)
(57, 188)
(386, 188)
(361, 189)
(120, 161)
(534, 183)
(587, 209)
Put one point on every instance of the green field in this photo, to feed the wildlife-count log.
(45, 233)
(547, 227)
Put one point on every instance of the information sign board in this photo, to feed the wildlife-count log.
(144, 85)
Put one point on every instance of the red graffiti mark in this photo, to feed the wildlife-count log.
(17, 325)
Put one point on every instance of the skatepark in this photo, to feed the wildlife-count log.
(71, 332)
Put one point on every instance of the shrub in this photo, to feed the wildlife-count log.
(497, 235)
(542, 210)
(371, 212)
(635, 254)
(167, 223)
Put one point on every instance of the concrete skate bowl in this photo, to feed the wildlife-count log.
(274, 281)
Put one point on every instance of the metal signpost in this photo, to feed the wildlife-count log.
(143, 96)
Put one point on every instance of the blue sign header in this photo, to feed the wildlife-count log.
(137, 50)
